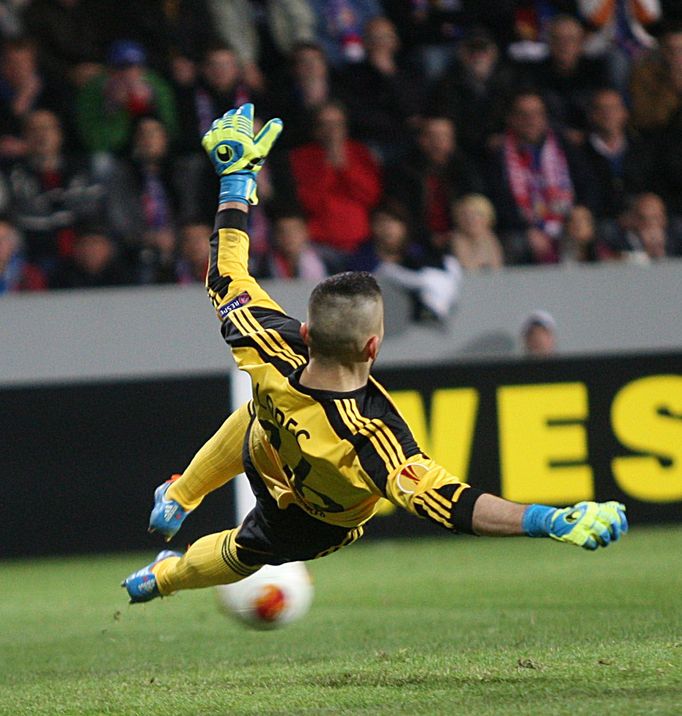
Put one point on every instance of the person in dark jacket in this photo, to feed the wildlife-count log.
(535, 178)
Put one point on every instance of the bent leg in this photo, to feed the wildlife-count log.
(209, 561)
(217, 462)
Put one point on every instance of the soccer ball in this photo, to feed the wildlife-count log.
(270, 598)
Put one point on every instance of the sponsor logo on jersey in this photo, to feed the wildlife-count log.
(237, 302)
(409, 477)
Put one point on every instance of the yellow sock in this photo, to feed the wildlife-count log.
(218, 460)
(209, 561)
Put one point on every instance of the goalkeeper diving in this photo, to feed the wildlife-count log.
(321, 442)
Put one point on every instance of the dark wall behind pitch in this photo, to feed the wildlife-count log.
(79, 462)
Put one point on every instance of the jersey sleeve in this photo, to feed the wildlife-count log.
(428, 490)
(253, 324)
(396, 466)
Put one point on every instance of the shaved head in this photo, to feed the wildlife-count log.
(345, 311)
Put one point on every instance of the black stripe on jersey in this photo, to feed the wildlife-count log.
(229, 555)
(460, 500)
(287, 327)
(231, 219)
(284, 361)
(370, 460)
(235, 338)
(218, 285)
(394, 421)
(274, 339)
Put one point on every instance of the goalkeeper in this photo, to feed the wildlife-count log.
(320, 442)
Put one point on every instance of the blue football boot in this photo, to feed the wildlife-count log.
(167, 515)
(141, 585)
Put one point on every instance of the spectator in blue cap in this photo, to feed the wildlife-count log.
(109, 104)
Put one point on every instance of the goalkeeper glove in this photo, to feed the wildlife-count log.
(237, 155)
(587, 524)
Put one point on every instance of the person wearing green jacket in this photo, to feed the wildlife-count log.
(109, 104)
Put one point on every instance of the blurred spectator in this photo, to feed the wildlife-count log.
(566, 78)
(672, 10)
(308, 84)
(173, 33)
(51, 191)
(430, 31)
(579, 239)
(535, 177)
(16, 274)
(148, 191)
(156, 259)
(93, 264)
(538, 335)
(23, 88)
(69, 37)
(656, 84)
(11, 21)
(531, 21)
(217, 89)
(667, 162)
(618, 32)
(262, 33)
(339, 27)
(473, 240)
(435, 289)
(647, 235)
(338, 183)
(389, 241)
(432, 177)
(472, 91)
(193, 252)
(621, 163)
(292, 254)
(108, 105)
(381, 97)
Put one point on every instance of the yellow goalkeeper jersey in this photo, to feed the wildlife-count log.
(334, 454)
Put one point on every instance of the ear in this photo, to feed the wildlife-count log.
(305, 335)
(372, 348)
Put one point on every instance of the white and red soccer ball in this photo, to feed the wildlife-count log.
(270, 598)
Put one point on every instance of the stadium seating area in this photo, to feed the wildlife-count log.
(421, 138)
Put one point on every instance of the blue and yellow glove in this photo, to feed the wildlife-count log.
(237, 155)
(587, 524)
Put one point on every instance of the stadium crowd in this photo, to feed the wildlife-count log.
(422, 138)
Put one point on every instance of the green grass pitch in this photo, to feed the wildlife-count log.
(449, 626)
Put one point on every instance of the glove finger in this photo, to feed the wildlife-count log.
(246, 111)
(227, 118)
(268, 136)
(604, 537)
(590, 543)
(624, 526)
(614, 529)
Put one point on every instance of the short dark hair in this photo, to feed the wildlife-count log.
(338, 315)
(349, 284)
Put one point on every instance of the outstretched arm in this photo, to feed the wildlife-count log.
(495, 517)
(587, 524)
(426, 489)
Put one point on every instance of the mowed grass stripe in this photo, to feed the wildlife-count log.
(459, 625)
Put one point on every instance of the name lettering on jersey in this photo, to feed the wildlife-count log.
(287, 423)
(237, 302)
(409, 477)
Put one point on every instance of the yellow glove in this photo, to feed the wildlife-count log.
(237, 155)
(587, 524)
